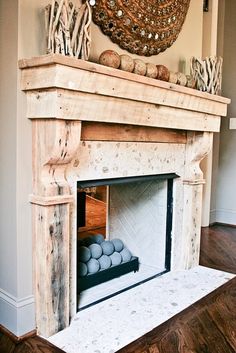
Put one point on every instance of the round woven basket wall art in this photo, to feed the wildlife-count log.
(143, 27)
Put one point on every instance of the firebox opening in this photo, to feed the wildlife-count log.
(124, 234)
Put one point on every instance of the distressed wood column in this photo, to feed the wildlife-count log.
(198, 146)
(54, 145)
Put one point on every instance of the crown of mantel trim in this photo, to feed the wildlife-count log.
(67, 88)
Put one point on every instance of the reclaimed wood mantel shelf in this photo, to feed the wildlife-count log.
(92, 122)
(74, 89)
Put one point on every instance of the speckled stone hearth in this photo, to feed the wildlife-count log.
(113, 324)
(91, 122)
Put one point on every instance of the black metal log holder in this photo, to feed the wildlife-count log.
(101, 276)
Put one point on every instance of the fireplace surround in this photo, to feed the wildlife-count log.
(90, 122)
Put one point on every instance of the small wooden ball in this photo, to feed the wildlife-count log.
(173, 77)
(151, 70)
(126, 63)
(110, 58)
(139, 67)
(182, 79)
(162, 73)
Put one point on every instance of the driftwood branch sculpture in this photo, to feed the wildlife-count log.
(68, 28)
(207, 73)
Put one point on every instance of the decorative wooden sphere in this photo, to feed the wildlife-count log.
(151, 70)
(173, 77)
(139, 67)
(126, 63)
(163, 73)
(110, 58)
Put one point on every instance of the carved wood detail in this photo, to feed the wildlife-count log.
(197, 147)
(54, 146)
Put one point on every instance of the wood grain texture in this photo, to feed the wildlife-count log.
(72, 105)
(218, 248)
(51, 59)
(92, 131)
(54, 146)
(100, 84)
(95, 215)
(197, 147)
(26, 345)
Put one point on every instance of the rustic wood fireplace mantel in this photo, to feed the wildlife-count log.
(94, 122)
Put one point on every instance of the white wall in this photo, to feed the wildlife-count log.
(210, 163)
(8, 98)
(226, 184)
(22, 35)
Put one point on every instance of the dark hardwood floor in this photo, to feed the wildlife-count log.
(218, 248)
(29, 344)
(208, 326)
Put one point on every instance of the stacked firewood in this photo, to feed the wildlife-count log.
(68, 28)
(207, 73)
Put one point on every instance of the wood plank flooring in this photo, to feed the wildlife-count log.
(208, 326)
(218, 248)
(32, 344)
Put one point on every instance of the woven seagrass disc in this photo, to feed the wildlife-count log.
(143, 27)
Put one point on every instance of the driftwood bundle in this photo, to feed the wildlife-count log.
(68, 28)
(207, 73)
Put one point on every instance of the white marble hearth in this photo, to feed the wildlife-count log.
(116, 322)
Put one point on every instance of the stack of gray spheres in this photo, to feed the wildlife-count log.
(96, 254)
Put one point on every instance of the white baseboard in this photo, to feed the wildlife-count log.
(17, 314)
(212, 216)
(223, 216)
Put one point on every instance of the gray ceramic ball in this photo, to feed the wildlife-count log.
(107, 247)
(84, 254)
(115, 258)
(98, 238)
(96, 250)
(82, 269)
(89, 240)
(105, 262)
(81, 242)
(118, 244)
(126, 255)
(93, 266)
